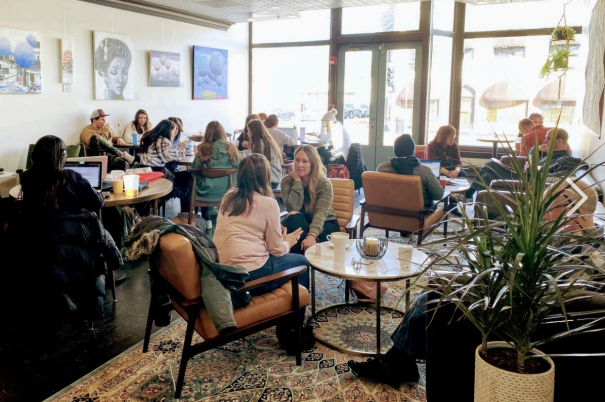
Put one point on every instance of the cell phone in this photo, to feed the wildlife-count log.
(105, 194)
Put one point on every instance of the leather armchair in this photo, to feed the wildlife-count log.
(396, 202)
(343, 204)
(178, 274)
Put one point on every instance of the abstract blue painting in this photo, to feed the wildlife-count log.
(20, 71)
(210, 73)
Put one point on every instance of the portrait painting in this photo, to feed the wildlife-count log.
(164, 69)
(113, 65)
(210, 73)
(67, 61)
(20, 71)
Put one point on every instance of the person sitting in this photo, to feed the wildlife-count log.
(262, 116)
(139, 125)
(244, 138)
(405, 162)
(248, 234)
(561, 162)
(445, 149)
(537, 119)
(157, 150)
(583, 219)
(61, 204)
(215, 152)
(333, 131)
(533, 134)
(307, 194)
(282, 139)
(262, 143)
(179, 126)
(99, 134)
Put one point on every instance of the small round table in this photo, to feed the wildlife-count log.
(153, 192)
(386, 269)
(495, 142)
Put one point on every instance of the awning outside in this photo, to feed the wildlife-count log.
(406, 96)
(550, 92)
(502, 95)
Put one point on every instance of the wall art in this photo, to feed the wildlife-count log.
(164, 69)
(210, 73)
(114, 65)
(67, 61)
(20, 71)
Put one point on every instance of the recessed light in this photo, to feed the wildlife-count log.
(274, 8)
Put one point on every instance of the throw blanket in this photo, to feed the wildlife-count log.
(218, 280)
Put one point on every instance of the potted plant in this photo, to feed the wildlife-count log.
(557, 61)
(563, 33)
(511, 276)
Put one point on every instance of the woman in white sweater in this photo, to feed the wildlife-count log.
(140, 125)
(279, 136)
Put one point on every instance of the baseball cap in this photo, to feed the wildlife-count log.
(98, 113)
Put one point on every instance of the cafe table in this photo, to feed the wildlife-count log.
(495, 142)
(386, 269)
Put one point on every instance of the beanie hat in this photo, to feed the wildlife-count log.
(404, 146)
(330, 116)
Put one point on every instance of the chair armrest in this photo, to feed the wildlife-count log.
(280, 276)
(362, 201)
(352, 223)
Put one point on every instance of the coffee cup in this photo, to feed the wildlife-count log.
(131, 185)
(404, 254)
(443, 181)
(118, 186)
(340, 241)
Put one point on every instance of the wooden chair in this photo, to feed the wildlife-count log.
(395, 202)
(207, 174)
(178, 275)
(343, 204)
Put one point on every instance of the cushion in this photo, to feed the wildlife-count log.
(73, 151)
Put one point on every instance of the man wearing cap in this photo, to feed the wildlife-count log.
(405, 162)
(99, 134)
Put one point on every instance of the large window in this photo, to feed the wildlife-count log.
(291, 82)
(381, 18)
(501, 85)
(440, 79)
(311, 26)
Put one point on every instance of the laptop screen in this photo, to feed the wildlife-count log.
(433, 165)
(91, 171)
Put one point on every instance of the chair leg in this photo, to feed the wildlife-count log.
(362, 226)
(185, 355)
(419, 241)
(296, 304)
(387, 233)
(347, 290)
(150, 315)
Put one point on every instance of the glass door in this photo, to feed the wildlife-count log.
(377, 85)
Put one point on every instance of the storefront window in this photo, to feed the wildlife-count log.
(311, 26)
(381, 18)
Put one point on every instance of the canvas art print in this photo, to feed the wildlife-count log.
(113, 64)
(20, 71)
(164, 69)
(67, 61)
(209, 73)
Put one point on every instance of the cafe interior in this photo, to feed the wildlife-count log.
(385, 68)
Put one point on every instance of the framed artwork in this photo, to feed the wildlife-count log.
(164, 69)
(20, 71)
(113, 64)
(210, 73)
(67, 61)
(594, 98)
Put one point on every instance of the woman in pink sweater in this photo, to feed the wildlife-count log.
(249, 234)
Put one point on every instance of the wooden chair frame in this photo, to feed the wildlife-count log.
(420, 215)
(193, 306)
(208, 174)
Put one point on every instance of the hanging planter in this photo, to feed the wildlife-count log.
(563, 33)
(495, 384)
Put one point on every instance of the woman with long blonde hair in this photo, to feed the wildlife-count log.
(215, 152)
(262, 143)
(307, 194)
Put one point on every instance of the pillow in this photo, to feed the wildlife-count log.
(73, 151)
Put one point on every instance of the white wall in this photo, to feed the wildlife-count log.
(590, 145)
(25, 118)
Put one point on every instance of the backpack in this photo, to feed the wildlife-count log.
(338, 172)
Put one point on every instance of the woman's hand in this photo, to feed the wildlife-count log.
(291, 238)
(183, 144)
(246, 144)
(294, 175)
(309, 241)
(120, 141)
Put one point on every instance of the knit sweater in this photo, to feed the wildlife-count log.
(106, 132)
(296, 197)
(162, 152)
(449, 155)
(281, 138)
(247, 240)
(129, 130)
(275, 164)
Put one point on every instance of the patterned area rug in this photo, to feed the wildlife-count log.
(257, 367)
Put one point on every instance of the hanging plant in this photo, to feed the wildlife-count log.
(557, 61)
(563, 33)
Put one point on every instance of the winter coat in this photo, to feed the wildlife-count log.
(355, 164)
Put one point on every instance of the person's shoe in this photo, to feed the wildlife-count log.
(378, 370)
(456, 211)
(470, 192)
(286, 335)
(127, 157)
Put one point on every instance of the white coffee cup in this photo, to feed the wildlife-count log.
(340, 241)
(404, 253)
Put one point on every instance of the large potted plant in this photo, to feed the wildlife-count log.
(511, 276)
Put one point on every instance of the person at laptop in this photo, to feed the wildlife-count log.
(444, 148)
(406, 163)
(100, 135)
(47, 185)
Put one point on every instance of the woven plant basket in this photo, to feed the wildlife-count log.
(496, 385)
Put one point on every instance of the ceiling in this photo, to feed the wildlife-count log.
(220, 14)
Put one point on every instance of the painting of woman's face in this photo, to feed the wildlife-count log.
(116, 77)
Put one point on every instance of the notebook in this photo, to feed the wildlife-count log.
(91, 171)
(435, 166)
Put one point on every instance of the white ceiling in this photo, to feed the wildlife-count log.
(227, 12)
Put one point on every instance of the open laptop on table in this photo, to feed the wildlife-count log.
(435, 167)
(93, 172)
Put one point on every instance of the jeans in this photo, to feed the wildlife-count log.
(410, 335)
(114, 160)
(296, 221)
(279, 264)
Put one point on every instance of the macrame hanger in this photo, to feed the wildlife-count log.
(64, 22)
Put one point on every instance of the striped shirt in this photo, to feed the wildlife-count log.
(162, 152)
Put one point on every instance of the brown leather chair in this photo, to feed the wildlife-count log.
(343, 203)
(204, 201)
(395, 202)
(178, 275)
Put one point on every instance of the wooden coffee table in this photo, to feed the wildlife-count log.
(386, 269)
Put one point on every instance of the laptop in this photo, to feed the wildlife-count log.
(102, 159)
(91, 171)
(435, 166)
